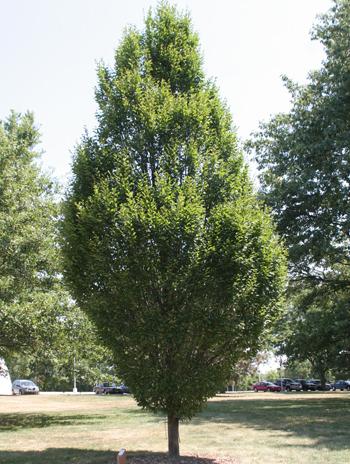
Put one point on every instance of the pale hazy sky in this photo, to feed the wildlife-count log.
(49, 50)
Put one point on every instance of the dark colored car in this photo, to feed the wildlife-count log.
(288, 384)
(341, 385)
(307, 385)
(266, 387)
(122, 389)
(24, 387)
(327, 386)
(107, 388)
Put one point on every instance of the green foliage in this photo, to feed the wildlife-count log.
(316, 329)
(73, 343)
(304, 160)
(246, 371)
(304, 156)
(40, 328)
(272, 375)
(166, 247)
(28, 257)
(295, 369)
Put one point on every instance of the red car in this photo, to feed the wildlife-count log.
(266, 387)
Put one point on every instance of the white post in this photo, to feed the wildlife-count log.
(75, 390)
(121, 456)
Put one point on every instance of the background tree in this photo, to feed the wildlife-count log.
(304, 157)
(28, 258)
(312, 329)
(295, 369)
(166, 247)
(246, 371)
(72, 344)
(36, 311)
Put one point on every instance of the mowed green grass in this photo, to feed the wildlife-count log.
(246, 427)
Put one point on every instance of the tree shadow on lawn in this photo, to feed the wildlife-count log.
(325, 420)
(11, 422)
(84, 456)
(58, 456)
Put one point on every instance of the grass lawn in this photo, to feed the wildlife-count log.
(245, 428)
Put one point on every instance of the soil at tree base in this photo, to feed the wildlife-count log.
(160, 458)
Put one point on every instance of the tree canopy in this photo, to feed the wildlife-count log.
(70, 350)
(166, 246)
(40, 327)
(304, 156)
(28, 256)
(315, 328)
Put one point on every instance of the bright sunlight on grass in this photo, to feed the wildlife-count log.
(245, 427)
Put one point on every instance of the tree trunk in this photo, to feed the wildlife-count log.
(323, 379)
(173, 436)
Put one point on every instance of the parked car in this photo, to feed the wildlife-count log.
(306, 385)
(24, 387)
(107, 388)
(265, 387)
(317, 382)
(288, 384)
(122, 389)
(341, 385)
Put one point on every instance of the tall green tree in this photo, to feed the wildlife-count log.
(166, 247)
(304, 158)
(28, 257)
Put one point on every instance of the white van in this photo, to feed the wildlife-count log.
(5, 379)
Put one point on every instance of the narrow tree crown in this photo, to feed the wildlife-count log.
(166, 246)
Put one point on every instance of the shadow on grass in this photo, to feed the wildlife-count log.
(58, 456)
(84, 456)
(146, 457)
(12, 422)
(325, 420)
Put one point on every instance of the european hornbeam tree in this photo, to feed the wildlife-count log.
(166, 247)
